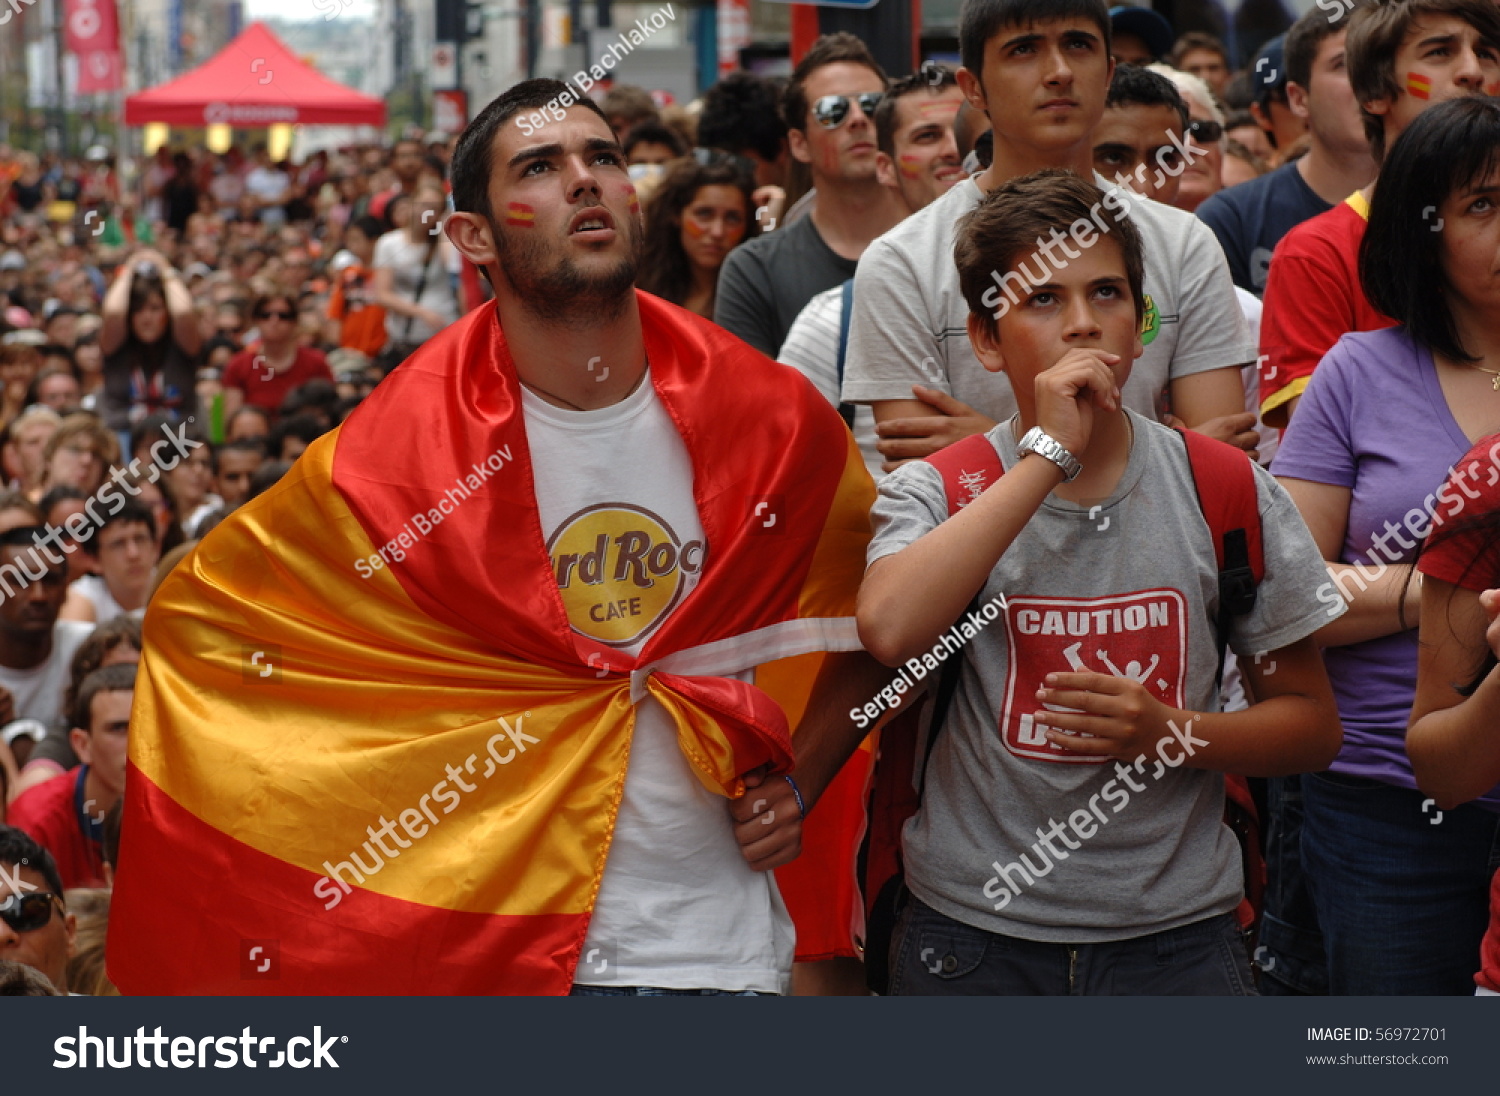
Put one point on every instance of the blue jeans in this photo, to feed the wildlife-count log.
(657, 991)
(936, 955)
(1291, 955)
(1402, 893)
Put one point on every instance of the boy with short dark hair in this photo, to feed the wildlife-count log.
(1096, 683)
(1138, 143)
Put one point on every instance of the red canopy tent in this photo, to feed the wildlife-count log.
(253, 81)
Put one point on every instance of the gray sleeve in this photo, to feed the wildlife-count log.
(1214, 333)
(911, 503)
(1296, 597)
(742, 302)
(890, 332)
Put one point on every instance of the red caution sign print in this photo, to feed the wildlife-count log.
(620, 570)
(1141, 636)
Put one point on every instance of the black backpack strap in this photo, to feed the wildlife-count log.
(846, 410)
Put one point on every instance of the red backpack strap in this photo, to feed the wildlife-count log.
(1225, 480)
(968, 468)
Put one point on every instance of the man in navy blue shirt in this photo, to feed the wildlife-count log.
(1250, 219)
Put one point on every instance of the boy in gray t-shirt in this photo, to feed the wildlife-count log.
(1070, 837)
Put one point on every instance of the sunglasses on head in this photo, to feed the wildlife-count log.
(27, 912)
(1205, 133)
(287, 316)
(831, 110)
(712, 157)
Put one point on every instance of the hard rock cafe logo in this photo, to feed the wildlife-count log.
(620, 569)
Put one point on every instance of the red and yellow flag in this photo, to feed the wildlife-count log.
(1418, 85)
(402, 778)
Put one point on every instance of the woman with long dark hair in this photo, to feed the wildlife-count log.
(1454, 738)
(150, 337)
(1402, 903)
(694, 219)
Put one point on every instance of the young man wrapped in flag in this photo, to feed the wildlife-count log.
(492, 692)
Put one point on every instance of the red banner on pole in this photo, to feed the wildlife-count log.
(92, 33)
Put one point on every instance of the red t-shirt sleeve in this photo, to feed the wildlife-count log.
(314, 365)
(1307, 310)
(1463, 548)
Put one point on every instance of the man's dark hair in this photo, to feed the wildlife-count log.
(17, 849)
(981, 20)
(743, 111)
(1376, 32)
(245, 445)
(265, 477)
(1142, 87)
(118, 677)
(370, 226)
(1197, 40)
(305, 427)
(1001, 232)
(19, 980)
(405, 141)
(1306, 37)
(150, 428)
(631, 104)
(654, 133)
(931, 75)
(133, 512)
(91, 653)
(831, 49)
(318, 393)
(1446, 149)
(472, 155)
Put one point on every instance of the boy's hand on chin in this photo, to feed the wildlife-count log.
(1067, 394)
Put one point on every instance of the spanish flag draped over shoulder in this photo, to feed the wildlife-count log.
(403, 778)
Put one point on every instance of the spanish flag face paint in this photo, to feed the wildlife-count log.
(1419, 86)
(635, 203)
(520, 214)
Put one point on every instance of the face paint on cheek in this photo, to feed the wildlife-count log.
(733, 234)
(520, 214)
(693, 228)
(633, 202)
(911, 166)
(1492, 90)
(1418, 86)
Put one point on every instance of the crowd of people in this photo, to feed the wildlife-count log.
(1188, 368)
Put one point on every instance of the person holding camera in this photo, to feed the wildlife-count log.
(150, 338)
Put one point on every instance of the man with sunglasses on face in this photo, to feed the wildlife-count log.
(829, 107)
(1041, 70)
(36, 929)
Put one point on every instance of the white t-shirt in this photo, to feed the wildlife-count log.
(38, 692)
(396, 251)
(678, 906)
(267, 183)
(910, 319)
(812, 348)
(106, 608)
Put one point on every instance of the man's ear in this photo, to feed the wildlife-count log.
(472, 236)
(796, 142)
(1379, 107)
(973, 91)
(984, 337)
(82, 745)
(885, 172)
(1296, 100)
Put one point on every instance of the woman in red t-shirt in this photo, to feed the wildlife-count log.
(265, 372)
(1454, 737)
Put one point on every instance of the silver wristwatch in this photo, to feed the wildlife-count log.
(1043, 444)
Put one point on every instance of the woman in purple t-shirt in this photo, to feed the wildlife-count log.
(1401, 892)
